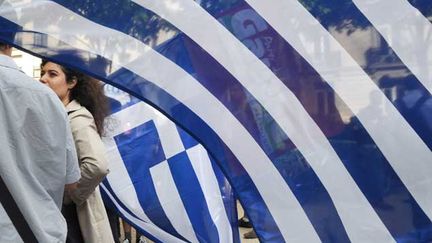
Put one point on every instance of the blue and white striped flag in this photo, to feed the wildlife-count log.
(318, 112)
(163, 181)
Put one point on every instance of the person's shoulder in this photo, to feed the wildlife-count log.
(75, 109)
(15, 79)
(18, 87)
(79, 116)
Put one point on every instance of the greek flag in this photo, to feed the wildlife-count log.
(317, 112)
(162, 181)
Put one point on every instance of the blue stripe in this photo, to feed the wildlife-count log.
(424, 6)
(8, 30)
(188, 55)
(191, 194)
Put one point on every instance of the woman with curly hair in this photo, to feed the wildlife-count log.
(86, 106)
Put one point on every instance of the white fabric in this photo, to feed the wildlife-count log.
(38, 156)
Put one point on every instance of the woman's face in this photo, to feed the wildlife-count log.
(53, 76)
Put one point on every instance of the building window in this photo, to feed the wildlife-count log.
(40, 40)
(36, 72)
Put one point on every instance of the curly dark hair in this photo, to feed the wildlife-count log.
(2, 46)
(89, 93)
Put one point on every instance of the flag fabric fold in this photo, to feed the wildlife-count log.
(318, 113)
(162, 180)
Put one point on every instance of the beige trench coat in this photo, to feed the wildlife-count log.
(91, 211)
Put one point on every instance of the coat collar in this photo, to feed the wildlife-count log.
(7, 61)
(73, 106)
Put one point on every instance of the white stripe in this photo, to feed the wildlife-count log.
(168, 134)
(284, 107)
(170, 200)
(400, 144)
(153, 230)
(406, 30)
(210, 187)
(126, 119)
(77, 31)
